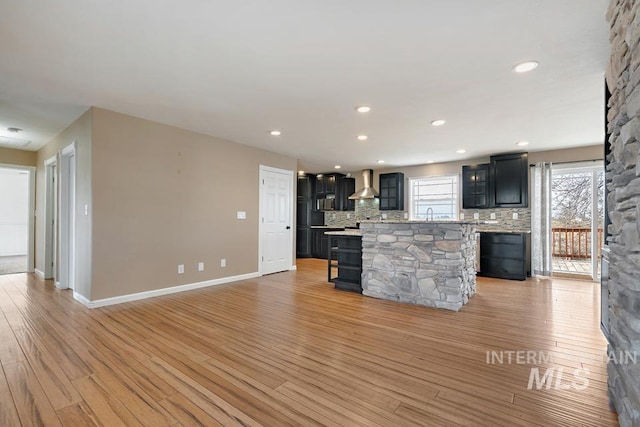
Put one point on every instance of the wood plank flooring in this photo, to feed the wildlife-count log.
(288, 349)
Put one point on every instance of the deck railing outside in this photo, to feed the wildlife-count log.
(573, 242)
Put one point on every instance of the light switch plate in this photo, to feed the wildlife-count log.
(201, 266)
(180, 268)
(476, 215)
(492, 215)
(223, 262)
(515, 215)
(241, 215)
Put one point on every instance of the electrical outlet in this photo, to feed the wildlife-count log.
(515, 215)
(461, 216)
(241, 215)
(406, 215)
(180, 268)
(333, 216)
(348, 215)
(201, 266)
(384, 216)
(223, 262)
(492, 215)
(476, 215)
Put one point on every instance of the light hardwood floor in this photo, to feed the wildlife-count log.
(288, 349)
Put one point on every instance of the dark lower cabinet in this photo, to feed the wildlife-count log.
(346, 261)
(303, 242)
(320, 242)
(503, 255)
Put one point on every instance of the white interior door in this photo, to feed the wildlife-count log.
(276, 217)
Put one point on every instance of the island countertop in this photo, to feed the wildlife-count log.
(351, 232)
(418, 221)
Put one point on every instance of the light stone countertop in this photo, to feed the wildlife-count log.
(504, 231)
(411, 221)
(355, 233)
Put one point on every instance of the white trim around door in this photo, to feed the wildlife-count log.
(50, 216)
(263, 228)
(67, 197)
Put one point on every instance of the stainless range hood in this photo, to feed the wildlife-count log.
(366, 192)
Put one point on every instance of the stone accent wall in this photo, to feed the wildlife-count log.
(623, 205)
(425, 263)
(365, 209)
(504, 216)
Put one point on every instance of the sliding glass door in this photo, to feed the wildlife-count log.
(577, 219)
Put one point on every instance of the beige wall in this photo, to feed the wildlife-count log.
(11, 156)
(80, 132)
(164, 196)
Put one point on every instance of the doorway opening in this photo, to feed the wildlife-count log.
(577, 219)
(17, 186)
(60, 208)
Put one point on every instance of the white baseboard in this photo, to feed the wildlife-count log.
(39, 273)
(158, 292)
(81, 299)
(293, 267)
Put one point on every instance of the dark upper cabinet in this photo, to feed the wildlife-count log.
(475, 187)
(510, 180)
(346, 186)
(330, 183)
(306, 186)
(326, 184)
(391, 191)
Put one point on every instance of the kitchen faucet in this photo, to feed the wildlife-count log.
(430, 210)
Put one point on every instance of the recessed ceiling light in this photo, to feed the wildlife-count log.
(14, 130)
(461, 151)
(275, 133)
(337, 167)
(300, 172)
(381, 161)
(438, 122)
(522, 143)
(526, 66)
(430, 161)
(362, 137)
(363, 109)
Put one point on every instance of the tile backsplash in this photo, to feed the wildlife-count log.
(503, 216)
(369, 209)
(365, 209)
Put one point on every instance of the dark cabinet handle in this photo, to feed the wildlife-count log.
(288, 227)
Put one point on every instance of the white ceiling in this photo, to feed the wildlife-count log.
(237, 69)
